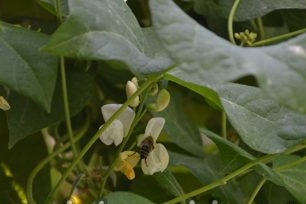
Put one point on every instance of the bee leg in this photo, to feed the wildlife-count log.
(132, 154)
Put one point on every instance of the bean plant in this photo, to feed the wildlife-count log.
(152, 101)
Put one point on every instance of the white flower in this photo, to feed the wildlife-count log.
(120, 127)
(158, 158)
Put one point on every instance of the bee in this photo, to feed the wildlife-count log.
(146, 146)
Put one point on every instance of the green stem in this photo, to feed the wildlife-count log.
(40, 166)
(221, 181)
(280, 37)
(260, 28)
(58, 10)
(66, 106)
(231, 21)
(223, 124)
(224, 180)
(98, 134)
(256, 190)
(291, 164)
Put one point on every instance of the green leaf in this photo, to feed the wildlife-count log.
(23, 68)
(208, 170)
(235, 157)
(293, 176)
(169, 183)
(123, 197)
(203, 58)
(25, 117)
(208, 7)
(180, 128)
(250, 9)
(260, 121)
(274, 194)
(210, 95)
(105, 30)
(295, 19)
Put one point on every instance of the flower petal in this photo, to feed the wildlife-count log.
(157, 160)
(130, 157)
(126, 162)
(128, 171)
(154, 127)
(113, 133)
(126, 117)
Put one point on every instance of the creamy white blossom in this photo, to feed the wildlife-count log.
(120, 127)
(158, 158)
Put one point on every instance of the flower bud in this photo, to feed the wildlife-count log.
(163, 99)
(153, 89)
(130, 89)
(135, 81)
(4, 104)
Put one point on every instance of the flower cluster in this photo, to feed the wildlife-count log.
(246, 37)
(154, 156)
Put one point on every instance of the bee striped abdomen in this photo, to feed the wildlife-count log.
(146, 147)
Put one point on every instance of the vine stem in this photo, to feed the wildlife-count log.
(256, 190)
(260, 28)
(98, 134)
(66, 106)
(225, 179)
(231, 21)
(58, 10)
(40, 166)
(280, 37)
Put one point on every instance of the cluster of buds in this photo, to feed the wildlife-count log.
(154, 156)
(246, 37)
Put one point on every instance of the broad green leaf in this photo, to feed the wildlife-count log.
(235, 157)
(210, 95)
(293, 176)
(295, 19)
(24, 69)
(250, 9)
(208, 7)
(274, 194)
(203, 58)
(25, 117)
(169, 183)
(208, 170)
(123, 197)
(260, 121)
(105, 30)
(180, 128)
